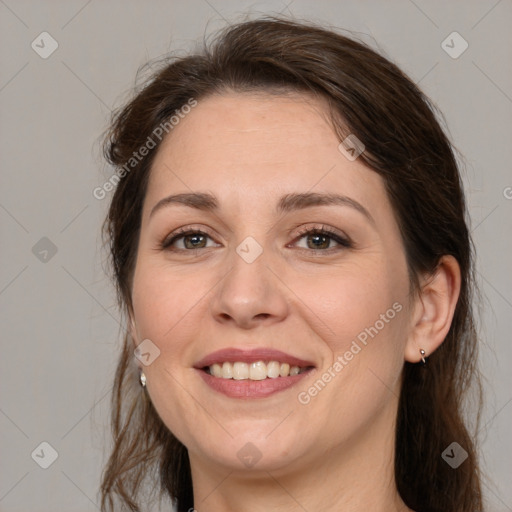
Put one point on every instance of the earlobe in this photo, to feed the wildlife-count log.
(434, 310)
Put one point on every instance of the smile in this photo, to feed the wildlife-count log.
(256, 373)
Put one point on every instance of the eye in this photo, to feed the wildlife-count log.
(321, 239)
(186, 239)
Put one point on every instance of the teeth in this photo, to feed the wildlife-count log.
(240, 371)
(227, 371)
(273, 369)
(216, 370)
(258, 370)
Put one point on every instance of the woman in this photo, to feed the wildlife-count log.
(289, 244)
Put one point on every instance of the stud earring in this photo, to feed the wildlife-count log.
(423, 360)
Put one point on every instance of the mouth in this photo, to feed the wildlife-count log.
(252, 374)
(258, 370)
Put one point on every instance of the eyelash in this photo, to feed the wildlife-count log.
(344, 242)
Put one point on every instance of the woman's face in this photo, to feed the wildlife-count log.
(252, 278)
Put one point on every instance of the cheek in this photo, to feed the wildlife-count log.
(356, 302)
(364, 317)
(162, 298)
(162, 307)
(366, 323)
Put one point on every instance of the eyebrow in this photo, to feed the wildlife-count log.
(287, 203)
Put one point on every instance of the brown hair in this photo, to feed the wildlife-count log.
(370, 97)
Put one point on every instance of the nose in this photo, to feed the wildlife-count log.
(251, 294)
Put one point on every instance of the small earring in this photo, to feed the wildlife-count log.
(142, 379)
(423, 360)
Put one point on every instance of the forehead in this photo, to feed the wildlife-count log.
(257, 146)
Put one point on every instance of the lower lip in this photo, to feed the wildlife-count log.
(251, 388)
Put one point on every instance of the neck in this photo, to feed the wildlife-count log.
(355, 476)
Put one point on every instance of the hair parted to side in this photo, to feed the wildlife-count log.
(370, 97)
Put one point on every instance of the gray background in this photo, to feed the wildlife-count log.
(60, 326)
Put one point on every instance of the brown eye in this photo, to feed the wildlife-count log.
(318, 241)
(195, 241)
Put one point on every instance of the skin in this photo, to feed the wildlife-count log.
(336, 452)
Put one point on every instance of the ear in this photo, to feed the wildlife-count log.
(434, 309)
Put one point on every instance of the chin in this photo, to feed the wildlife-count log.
(253, 455)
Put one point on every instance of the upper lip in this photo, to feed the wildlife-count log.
(234, 355)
